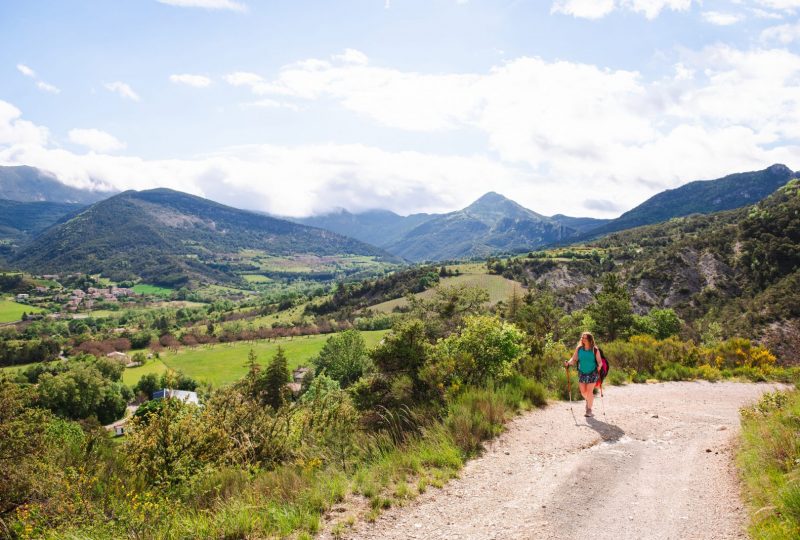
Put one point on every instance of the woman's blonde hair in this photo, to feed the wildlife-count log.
(591, 339)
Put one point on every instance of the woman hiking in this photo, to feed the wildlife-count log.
(587, 357)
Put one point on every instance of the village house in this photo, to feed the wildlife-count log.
(122, 357)
(22, 297)
(119, 427)
(299, 374)
(297, 379)
(183, 395)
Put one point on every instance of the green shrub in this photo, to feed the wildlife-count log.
(533, 392)
(708, 373)
(672, 371)
(617, 377)
(557, 383)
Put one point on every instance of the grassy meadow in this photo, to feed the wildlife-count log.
(499, 288)
(131, 376)
(225, 363)
(154, 290)
(11, 311)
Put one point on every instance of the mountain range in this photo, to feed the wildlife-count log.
(29, 184)
(701, 197)
(168, 237)
(492, 224)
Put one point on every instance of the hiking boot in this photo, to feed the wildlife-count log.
(588, 413)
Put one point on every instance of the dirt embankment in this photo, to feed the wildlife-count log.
(657, 465)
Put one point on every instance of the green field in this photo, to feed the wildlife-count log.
(131, 376)
(256, 278)
(153, 290)
(11, 311)
(499, 288)
(100, 313)
(225, 363)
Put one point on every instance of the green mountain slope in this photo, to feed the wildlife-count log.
(492, 224)
(738, 269)
(18, 219)
(171, 238)
(701, 197)
(29, 184)
(377, 227)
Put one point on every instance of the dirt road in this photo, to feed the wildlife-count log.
(657, 465)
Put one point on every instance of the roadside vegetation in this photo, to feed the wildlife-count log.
(393, 403)
(769, 459)
(380, 418)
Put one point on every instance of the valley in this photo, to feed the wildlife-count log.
(417, 352)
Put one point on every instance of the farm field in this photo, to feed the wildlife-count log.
(227, 362)
(142, 288)
(499, 288)
(131, 376)
(12, 311)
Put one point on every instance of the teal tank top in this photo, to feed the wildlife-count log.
(586, 361)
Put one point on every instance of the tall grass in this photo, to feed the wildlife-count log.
(478, 414)
(769, 460)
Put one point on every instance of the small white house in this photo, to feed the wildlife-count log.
(184, 395)
(299, 374)
(119, 356)
(119, 427)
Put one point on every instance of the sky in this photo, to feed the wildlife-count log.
(298, 107)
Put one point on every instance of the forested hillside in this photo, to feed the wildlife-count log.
(701, 197)
(171, 238)
(734, 272)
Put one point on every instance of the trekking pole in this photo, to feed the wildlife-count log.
(569, 391)
(569, 387)
(602, 399)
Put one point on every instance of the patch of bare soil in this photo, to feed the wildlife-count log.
(657, 465)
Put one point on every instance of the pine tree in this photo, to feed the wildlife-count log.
(274, 381)
(254, 376)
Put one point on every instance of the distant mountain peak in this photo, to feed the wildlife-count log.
(491, 198)
(779, 168)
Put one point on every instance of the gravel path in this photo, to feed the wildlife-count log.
(658, 465)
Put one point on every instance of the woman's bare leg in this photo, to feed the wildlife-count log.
(589, 397)
(587, 391)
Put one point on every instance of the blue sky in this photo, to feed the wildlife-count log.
(583, 107)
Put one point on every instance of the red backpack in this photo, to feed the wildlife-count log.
(604, 367)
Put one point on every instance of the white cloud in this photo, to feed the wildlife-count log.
(352, 56)
(585, 9)
(722, 19)
(584, 125)
(272, 104)
(25, 70)
(123, 90)
(560, 136)
(197, 81)
(784, 5)
(784, 33)
(242, 78)
(597, 9)
(41, 85)
(95, 140)
(19, 133)
(207, 4)
(764, 14)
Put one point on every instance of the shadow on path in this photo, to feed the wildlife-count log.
(608, 432)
